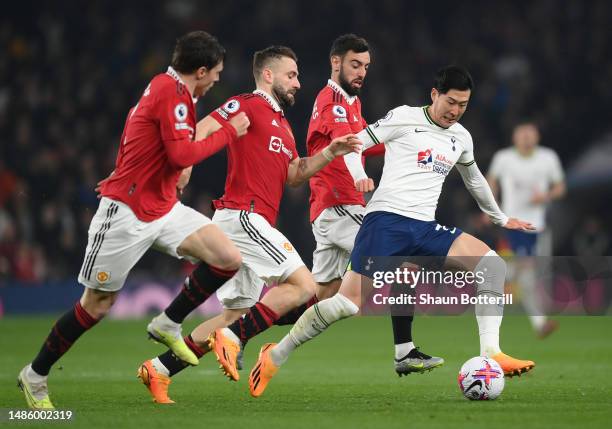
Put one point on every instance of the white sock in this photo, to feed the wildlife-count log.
(160, 367)
(488, 328)
(314, 321)
(527, 281)
(489, 316)
(34, 377)
(165, 321)
(537, 322)
(230, 334)
(401, 350)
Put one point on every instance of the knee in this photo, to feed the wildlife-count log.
(492, 266)
(230, 316)
(308, 288)
(230, 259)
(98, 303)
(343, 306)
(495, 263)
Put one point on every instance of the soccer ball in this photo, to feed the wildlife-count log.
(481, 378)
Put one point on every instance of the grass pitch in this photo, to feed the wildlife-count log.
(342, 379)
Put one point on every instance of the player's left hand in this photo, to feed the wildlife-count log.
(100, 183)
(345, 144)
(514, 223)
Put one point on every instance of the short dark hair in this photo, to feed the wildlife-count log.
(453, 77)
(262, 58)
(348, 42)
(196, 49)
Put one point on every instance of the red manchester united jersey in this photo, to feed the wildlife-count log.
(156, 144)
(334, 114)
(258, 162)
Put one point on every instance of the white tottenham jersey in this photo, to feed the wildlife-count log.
(418, 156)
(522, 177)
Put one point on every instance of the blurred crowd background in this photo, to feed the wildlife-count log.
(70, 71)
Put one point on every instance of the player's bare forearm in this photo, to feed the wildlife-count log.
(302, 169)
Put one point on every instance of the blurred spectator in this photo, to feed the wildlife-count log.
(591, 238)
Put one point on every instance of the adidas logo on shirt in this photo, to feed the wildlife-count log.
(274, 123)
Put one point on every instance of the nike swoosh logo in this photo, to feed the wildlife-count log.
(474, 384)
(416, 130)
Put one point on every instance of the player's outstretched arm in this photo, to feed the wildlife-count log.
(302, 169)
(478, 187)
(184, 153)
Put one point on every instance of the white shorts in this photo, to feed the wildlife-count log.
(117, 239)
(267, 256)
(335, 230)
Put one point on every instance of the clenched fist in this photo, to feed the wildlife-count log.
(240, 122)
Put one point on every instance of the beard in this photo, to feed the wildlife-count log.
(346, 85)
(283, 96)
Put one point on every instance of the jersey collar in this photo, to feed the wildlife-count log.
(174, 75)
(430, 119)
(350, 99)
(271, 101)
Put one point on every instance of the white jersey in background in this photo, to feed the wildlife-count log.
(520, 177)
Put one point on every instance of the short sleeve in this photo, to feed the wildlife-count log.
(556, 170)
(495, 169)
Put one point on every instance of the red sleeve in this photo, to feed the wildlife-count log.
(334, 121)
(229, 109)
(177, 124)
(376, 150)
(173, 113)
(185, 153)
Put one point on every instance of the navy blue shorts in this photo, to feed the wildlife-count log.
(522, 243)
(390, 234)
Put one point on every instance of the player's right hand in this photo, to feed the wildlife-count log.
(519, 225)
(241, 123)
(364, 185)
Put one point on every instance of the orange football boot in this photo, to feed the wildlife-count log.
(512, 366)
(263, 371)
(156, 383)
(226, 351)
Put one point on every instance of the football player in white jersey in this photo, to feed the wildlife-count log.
(530, 176)
(422, 145)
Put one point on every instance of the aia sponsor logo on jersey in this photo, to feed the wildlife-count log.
(438, 164)
(424, 157)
